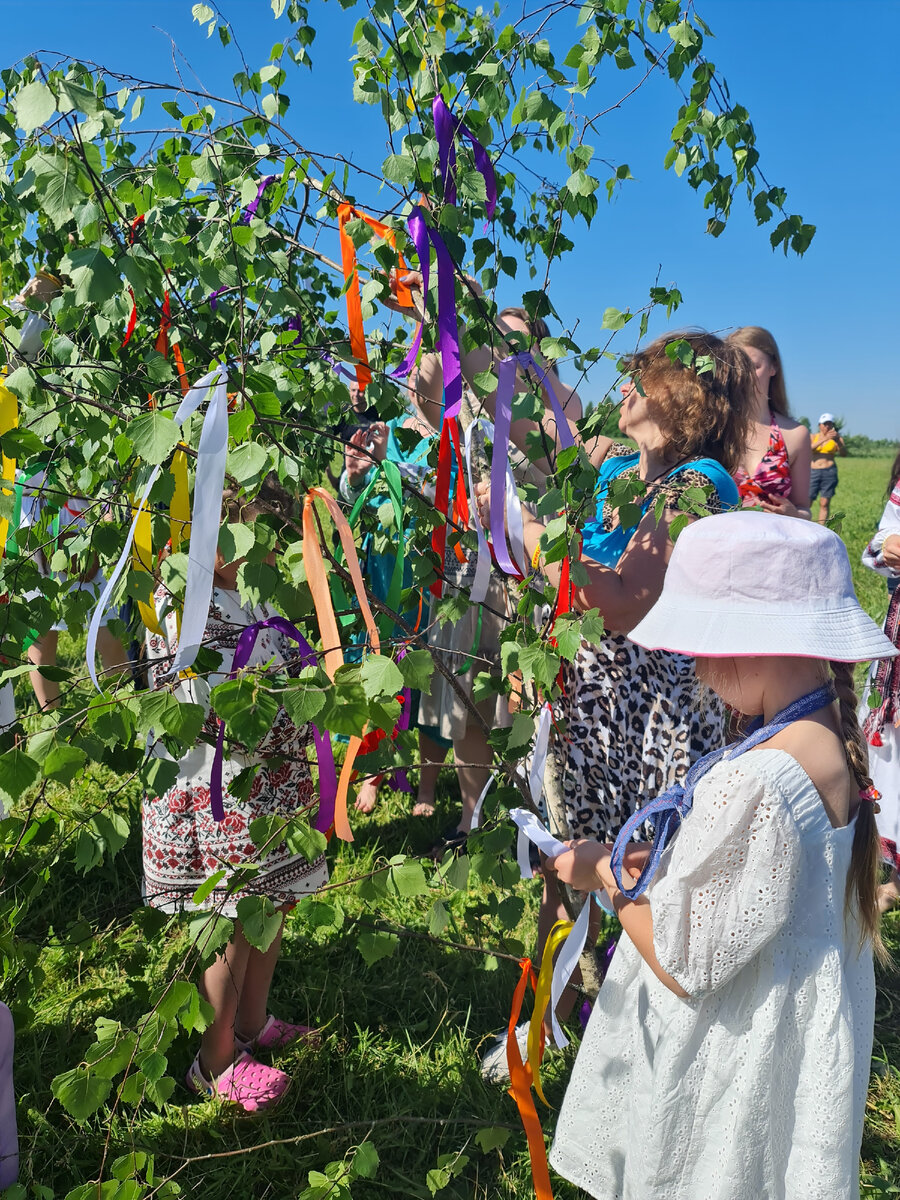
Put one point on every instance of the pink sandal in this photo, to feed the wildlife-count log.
(250, 1085)
(277, 1033)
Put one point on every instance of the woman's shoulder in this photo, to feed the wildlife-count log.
(792, 431)
(703, 473)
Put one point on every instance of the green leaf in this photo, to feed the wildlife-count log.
(613, 319)
(380, 676)
(209, 885)
(522, 731)
(365, 1161)
(260, 921)
(301, 838)
(202, 13)
(248, 463)
(17, 774)
(408, 878)
(493, 1138)
(438, 918)
(248, 711)
(93, 275)
(374, 945)
(35, 106)
(257, 582)
(80, 1092)
(302, 702)
(399, 168)
(154, 436)
(416, 667)
(236, 541)
(60, 182)
(278, 7)
(209, 932)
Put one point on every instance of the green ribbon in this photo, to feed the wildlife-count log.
(391, 475)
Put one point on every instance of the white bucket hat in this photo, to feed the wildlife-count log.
(747, 583)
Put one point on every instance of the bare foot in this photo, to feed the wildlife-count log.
(368, 797)
(423, 808)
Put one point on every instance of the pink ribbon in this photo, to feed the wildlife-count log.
(324, 751)
(506, 378)
(250, 210)
(445, 127)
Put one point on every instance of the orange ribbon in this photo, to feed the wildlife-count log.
(520, 1079)
(314, 565)
(347, 212)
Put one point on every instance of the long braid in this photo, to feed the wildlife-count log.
(865, 860)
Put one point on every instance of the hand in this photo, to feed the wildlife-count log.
(412, 280)
(366, 446)
(581, 866)
(890, 551)
(39, 287)
(781, 505)
(483, 503)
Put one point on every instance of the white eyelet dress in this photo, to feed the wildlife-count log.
(755, 1087)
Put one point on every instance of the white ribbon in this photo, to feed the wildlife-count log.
(479, 803)
(531, 830)
(483, 561)
(539, 755)
(205, 521)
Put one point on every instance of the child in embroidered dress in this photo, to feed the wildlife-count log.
(728, 1053)
(183, 845)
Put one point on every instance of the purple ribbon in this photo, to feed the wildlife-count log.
(448, 326)
(399, 779)
(296, 324)
(214, 297)
(324, 751)
(250, 210)
(336, 366)
(445, 127)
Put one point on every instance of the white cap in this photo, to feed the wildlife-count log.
(746, 583)
(826, 419)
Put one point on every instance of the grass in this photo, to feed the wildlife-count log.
(399, 1063)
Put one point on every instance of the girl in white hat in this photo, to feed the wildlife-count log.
(728, 1053)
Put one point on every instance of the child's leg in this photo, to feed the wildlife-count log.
(43, 653)
(223, 985)
(253, 1003)
(432, 756)
(113, 656)
(367, 797)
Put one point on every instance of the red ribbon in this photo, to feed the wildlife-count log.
(132, 321)
(134, 224)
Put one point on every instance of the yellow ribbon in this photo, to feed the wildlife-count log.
(9, 419)
(558, 935)
(179, 524)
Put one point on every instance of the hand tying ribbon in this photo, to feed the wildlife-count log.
(667, 810)
(531, 830)
(446, 125)
(208, 483)
(324, 751)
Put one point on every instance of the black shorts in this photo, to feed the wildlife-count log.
(823, 482)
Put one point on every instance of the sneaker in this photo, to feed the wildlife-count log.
(494, 1066)
(277, 1033)
(250, 1085)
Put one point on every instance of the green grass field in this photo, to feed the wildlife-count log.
(399, 1062)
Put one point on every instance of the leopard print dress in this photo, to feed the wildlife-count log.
(635, 719)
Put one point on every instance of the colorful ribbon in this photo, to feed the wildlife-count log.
(324, 751)
(214, 297)
(531, 830)
(347, 212)
(250, 210)
(557, 937)
(333, 656)
(204, 529)
(9, 419)
(520, 1089)
(132, 321)
(446, 125)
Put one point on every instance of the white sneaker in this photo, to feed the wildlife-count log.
(494, 1067)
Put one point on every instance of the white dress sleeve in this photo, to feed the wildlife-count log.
(889, 523)
(727, 885)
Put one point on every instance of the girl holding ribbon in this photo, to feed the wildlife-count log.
(184, 844)
(728, 1053)
(633, 723)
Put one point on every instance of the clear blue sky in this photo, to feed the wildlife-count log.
(820, 81)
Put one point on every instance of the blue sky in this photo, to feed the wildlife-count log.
(820, 82)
